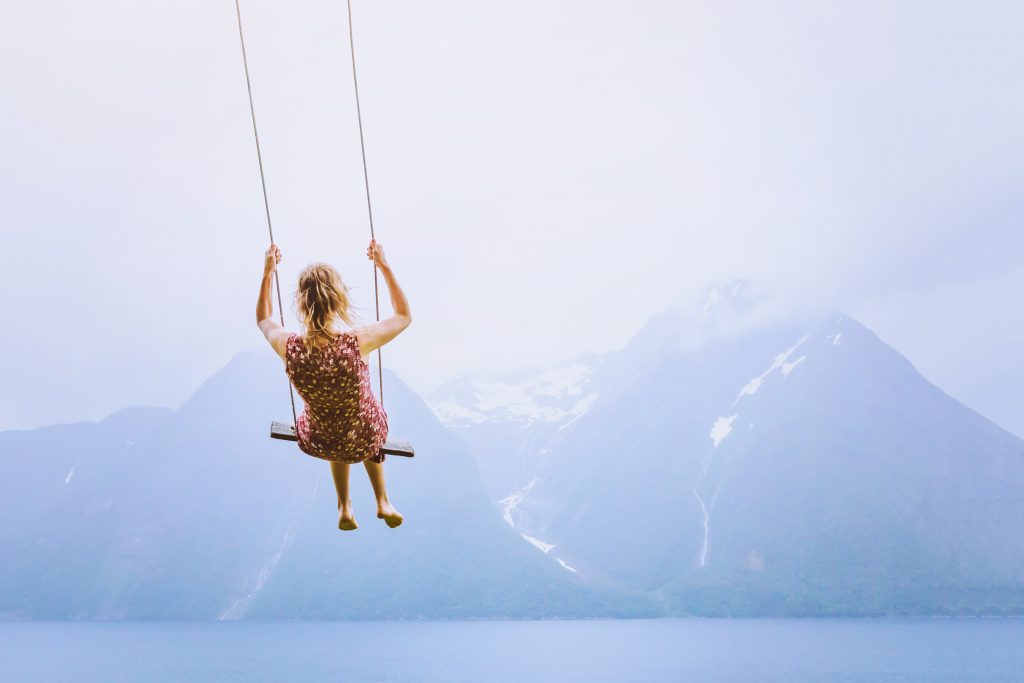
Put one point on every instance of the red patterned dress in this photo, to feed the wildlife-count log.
(342, 420)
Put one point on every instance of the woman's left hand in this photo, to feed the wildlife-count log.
(271, 259)
(375, 252)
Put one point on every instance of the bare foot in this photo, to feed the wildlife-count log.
(346, 518)
(389, 514)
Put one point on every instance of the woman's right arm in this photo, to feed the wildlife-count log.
(374, 336)
(276, 335)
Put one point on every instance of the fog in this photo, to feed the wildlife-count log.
(546, 176)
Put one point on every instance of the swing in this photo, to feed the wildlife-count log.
(283, 430)
(286, 432)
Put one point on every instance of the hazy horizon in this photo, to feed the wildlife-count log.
(546, 178)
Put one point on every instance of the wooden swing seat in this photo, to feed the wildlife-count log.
(286, 432)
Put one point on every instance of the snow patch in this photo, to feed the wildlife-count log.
(546, 549)
(537, 543)
(835, 338)
(721, 429)
(780, 360)
(564, 565)
(71, 473)
(750, 388)
(788, 367)
(510, 503)
(721, 295)
(704, 546)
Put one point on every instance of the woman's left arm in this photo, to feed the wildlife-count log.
(276, 335)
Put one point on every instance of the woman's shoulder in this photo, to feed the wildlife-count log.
(295, 342)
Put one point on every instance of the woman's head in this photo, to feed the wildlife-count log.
(320, 301)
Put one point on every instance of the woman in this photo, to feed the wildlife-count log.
(342, 421)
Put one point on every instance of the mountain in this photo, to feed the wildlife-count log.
(197, 514)
(719, 464)
(731, 467)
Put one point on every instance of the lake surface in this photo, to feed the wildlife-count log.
(724, 651)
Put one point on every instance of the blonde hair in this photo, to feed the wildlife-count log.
(320, 301)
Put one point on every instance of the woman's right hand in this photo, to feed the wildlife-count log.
(271, 259)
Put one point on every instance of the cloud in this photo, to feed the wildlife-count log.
(546, 176)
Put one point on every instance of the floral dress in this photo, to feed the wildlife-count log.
(342, 419)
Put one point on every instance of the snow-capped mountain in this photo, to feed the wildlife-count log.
(511, 416)
(719, 464)
(553, 394)
(731, 466)
(197, 514)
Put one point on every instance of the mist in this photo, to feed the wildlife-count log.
(546, 177)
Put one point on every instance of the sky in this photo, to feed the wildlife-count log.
(546, 176)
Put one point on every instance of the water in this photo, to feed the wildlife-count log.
(720, 651)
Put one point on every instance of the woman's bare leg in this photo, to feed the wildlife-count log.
(346, 519)
(385, 510)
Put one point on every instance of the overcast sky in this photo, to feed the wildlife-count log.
(547, 175)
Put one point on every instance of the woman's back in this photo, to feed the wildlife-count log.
(342, 421)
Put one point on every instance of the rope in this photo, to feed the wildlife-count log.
(263, 180)
(366, 184)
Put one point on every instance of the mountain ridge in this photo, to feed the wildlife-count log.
(201, 515)
(710, 467)
(849, 405)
